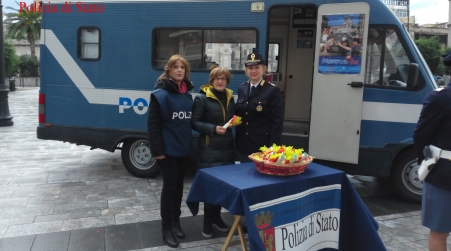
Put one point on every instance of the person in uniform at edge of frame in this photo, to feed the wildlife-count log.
(212, 109)
(434, 127)
(260, 106)
(170, 138)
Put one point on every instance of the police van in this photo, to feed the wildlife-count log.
(352, 79)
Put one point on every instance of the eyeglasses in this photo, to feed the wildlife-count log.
(220, 79)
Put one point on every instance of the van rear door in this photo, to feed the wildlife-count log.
(338, 78)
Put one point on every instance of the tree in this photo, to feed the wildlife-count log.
(430, 49)
(29, 66)
(24, 24)
(11, 59)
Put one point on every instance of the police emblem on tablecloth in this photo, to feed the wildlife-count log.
(259, 108)
(267, 233)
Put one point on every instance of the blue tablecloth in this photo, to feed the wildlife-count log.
(316, 210)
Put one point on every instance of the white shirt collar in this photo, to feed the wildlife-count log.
(255, 84)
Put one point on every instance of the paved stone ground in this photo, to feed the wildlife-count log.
(55, 192)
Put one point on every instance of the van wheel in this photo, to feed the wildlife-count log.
(404, 177)
(138, 160)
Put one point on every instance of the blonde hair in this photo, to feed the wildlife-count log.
(264, 69)
(171, 62)
(221, 71)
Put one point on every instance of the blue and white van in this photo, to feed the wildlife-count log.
(352, 79)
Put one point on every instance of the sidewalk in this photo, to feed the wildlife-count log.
(58, 196)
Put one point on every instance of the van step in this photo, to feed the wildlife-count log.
(296, 127)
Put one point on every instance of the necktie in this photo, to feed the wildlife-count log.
(252, 89)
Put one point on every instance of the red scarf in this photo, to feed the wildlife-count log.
(182, 88)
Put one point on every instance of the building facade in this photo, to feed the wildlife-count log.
(23, 47)
(401, 9)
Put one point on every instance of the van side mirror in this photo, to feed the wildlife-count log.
(412, 78)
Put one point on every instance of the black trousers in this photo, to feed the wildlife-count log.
(173, 172)
(211, 213)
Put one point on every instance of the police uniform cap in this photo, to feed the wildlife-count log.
(254, 59)
(447, 59)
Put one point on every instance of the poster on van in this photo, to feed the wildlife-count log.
(341, 43)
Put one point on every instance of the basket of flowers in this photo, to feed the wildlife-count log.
(281, 160)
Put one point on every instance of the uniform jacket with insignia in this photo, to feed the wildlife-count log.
(434, 127)
(262, 117)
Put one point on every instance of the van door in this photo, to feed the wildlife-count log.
(338, 76)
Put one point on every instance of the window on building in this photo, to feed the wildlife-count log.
(401, 13)
(88, 47)
(396, 2)
(387, 63)
(204, 49)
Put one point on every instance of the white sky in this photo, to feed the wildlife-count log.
(425, 11)
(429, 11)
(12, 3)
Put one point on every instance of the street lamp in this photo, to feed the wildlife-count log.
(5, 116)
(408, 15)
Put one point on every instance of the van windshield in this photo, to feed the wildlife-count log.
(423, 62)
(388, 62)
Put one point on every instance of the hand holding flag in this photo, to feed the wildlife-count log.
(234, 121)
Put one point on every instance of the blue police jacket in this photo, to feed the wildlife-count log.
(175, 112)
(434, 127)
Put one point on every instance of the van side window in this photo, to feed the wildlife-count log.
(204, 49)
(88, 43)
(387, 62)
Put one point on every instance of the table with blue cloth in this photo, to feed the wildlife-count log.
(315, 210)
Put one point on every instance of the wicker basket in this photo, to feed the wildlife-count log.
(279, 169)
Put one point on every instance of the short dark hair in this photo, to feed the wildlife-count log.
(447, 59)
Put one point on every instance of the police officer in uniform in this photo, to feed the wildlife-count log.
(434, 127)
(260, 106)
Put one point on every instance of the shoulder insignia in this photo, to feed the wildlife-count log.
(245, 82)
(269, 83)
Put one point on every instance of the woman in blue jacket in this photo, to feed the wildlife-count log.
(170, 140)
(260, 106)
